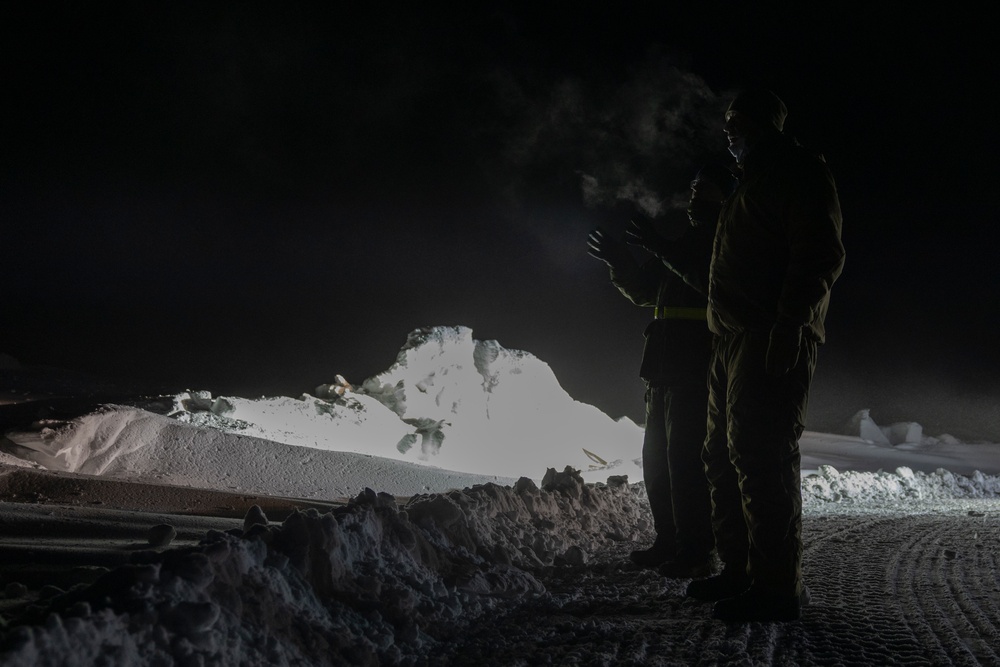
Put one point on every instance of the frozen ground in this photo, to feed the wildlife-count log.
(888, 588)
(220, 530)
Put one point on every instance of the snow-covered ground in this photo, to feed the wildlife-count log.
(482, 497)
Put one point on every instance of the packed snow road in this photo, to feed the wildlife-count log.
(895, 588)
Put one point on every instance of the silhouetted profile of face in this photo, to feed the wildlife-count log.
(741, 133)
(753, 114)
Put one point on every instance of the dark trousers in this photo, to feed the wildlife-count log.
(753, 462)
(673, 470)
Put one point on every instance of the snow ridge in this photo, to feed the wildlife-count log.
(902, 486)
(365, 584)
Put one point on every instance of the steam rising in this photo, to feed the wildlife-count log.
(638, 140)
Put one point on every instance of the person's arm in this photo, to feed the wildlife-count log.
(816, 252)
(688, 257)
(639, 284)
(815, 260)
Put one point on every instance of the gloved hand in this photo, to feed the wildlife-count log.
(610, 251)
(783, 349)
(646, 237)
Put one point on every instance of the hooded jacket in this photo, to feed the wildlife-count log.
(777, 249)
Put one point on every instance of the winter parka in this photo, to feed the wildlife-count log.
(778, 248)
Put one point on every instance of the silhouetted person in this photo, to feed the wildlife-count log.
(674, 367)
(777, 253)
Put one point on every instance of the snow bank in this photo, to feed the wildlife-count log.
(371, 583)
(832, 486)
(366, 584)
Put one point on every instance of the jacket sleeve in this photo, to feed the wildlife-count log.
(639, 283)
(815, 251)
(690, 256)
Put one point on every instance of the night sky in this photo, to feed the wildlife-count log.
(252, 197)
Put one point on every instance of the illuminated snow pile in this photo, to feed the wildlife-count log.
(479, 407)
(450, 401)
(453, 410)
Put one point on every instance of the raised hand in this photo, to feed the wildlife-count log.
(610, 251)
(644, 235)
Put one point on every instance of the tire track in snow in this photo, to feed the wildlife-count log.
(887, 589)
(852, 618)
(909, 589)
(944, 578)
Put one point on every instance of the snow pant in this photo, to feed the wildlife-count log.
(673, 470)
(752, 459)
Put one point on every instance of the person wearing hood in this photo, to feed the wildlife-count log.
(777, 253)
(674, 283)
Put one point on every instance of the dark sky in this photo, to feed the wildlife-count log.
(251, 197)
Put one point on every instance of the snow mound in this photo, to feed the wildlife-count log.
(365, 584)
(477, 406)
(129, 443)
(448, 403)
(850, 487)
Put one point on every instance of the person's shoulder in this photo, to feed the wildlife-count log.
(805, 161)
(793, 150)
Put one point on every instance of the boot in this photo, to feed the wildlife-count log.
(661, 552)
(679, 569)
(728, 583)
